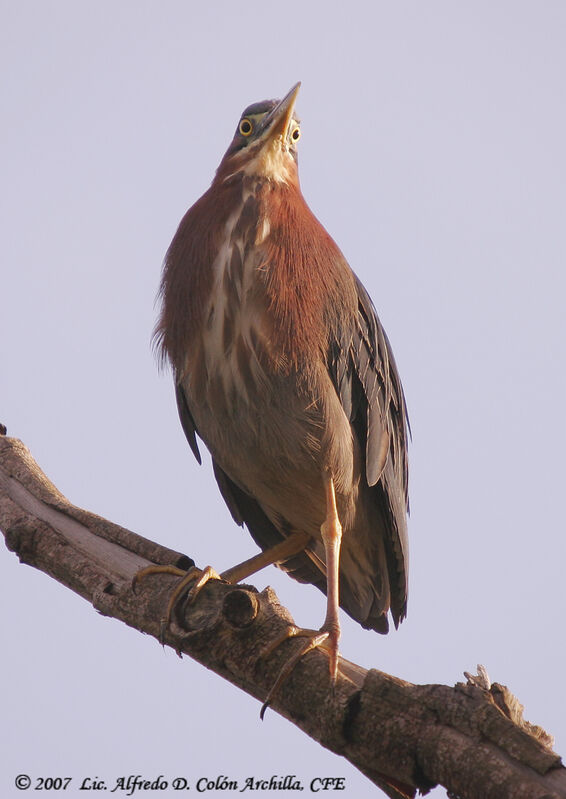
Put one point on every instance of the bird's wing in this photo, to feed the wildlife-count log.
(364, 373)
(187, 421)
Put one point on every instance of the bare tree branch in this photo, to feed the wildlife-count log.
(471, 738)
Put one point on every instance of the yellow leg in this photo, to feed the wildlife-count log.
(332, 537)
(329, 634)
(292, 545)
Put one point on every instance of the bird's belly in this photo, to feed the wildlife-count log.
(274, 436)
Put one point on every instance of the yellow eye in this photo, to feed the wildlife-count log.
(246, 127)
(296, 134)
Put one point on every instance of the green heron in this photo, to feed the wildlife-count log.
(283, 369)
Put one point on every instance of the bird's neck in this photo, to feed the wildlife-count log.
(266, 273)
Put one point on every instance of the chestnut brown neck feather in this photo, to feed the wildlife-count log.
(298, 269)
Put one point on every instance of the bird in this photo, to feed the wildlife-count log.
(283, 369)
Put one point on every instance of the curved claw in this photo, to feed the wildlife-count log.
(208, 573)
(194, 573)
(315, 639)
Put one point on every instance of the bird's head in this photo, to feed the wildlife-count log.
(265, 142)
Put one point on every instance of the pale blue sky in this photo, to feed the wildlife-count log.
(433, 151)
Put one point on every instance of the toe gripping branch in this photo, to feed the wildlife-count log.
(184, 588)
(251, 628)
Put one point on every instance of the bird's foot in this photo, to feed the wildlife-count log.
(327, 640)
(201, 576)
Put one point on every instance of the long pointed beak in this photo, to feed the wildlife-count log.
(278, 120)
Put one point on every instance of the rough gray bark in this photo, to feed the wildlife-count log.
(471, 738)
